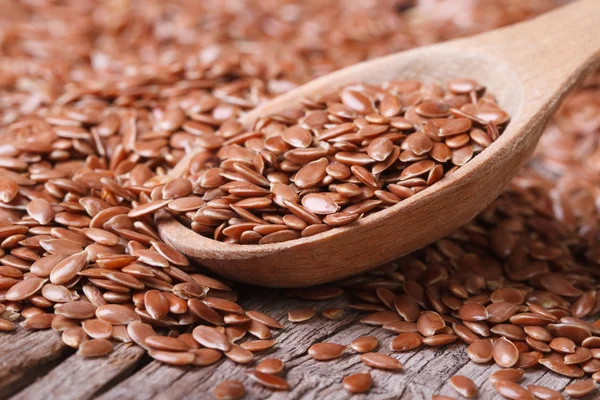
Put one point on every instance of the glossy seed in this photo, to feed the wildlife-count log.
(270, 366)
(581, 388)
(381, 361)
(507, 374)
(480, 351)
(505, 353)
(406, 341)
(95, 348)
(364, 344)
(203, 357)
(326, 351)
(211, 338)
(358, 383)
(269, 380)
(229, 390)
(511, 390)
(463, 385)
(301, 314)
(544, 393)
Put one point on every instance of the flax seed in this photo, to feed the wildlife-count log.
(581, 388)
(270, 366)
(463, 385)
(381, 361)
(94, 348)
(358, 383)
(511, 390)
(326, 351)
(229, 390)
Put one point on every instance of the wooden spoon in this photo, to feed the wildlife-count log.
(529, 67)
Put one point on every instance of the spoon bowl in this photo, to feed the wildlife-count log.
(528, 82)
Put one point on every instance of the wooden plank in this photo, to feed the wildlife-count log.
(425, 372)
(83, 378)
(25, 355)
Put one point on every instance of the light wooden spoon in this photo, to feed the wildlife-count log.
(529, 67)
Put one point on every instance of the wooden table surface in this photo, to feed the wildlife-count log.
(37, 365)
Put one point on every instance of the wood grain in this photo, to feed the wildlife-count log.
(129, 374)
(25, 355)
(85, 377)
(564, 44)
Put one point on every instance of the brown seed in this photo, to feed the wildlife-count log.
(24, 289)
(166, 343)
(364, 344)
(203, 357)
(156, 304)
(258, 345)
(440, 339)
(473, 312)
(358, 383)
(381, 361)
(239, 354)
(505, 353)
(401, 326)
(480, 351)
(40, 210)
(68, 268)
(116, 314)
(318, 203)
(380, 318)
(563, 345)
(326, 351)
(270, 366)
(511, 390)
(60, 323)
(555, 362)
(6, 326)
(229, 390)
(201, 310)
(509, 331)
(211, 338)
(173, 357)
(223, 305)
(407, 307)
(301, 314)
(147, 208)
(406, 341)
(269, 380)
(507, 374)
(95, 348)
(74, 337)
(76, 310)
(258, 329)
(265, 319)
(544, 393)
(463, 385)
(429, 323)
(581, 388)
(97, 329)
(580, 355)
(39, 321)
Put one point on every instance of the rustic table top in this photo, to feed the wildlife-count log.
(37, 365)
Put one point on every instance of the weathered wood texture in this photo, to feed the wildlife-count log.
(24, 355)
(129, 374)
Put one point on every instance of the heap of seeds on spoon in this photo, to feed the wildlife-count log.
(331, 160)
(86, 144)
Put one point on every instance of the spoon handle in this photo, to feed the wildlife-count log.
(551, 53)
